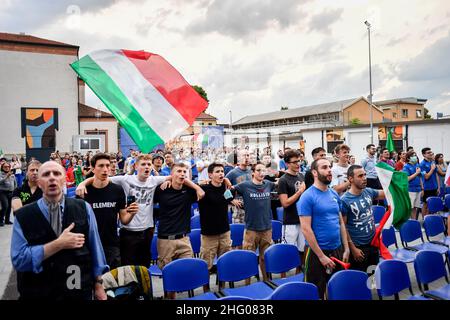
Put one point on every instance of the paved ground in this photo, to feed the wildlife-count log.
(8, 288)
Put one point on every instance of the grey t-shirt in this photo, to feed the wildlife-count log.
(258, 214)
(237, 175)
(289, 184)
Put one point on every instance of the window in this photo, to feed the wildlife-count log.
(404, 113)
(89, 143)
(394, 115)
(209, 123)
(419, 114)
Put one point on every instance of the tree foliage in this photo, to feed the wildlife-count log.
(201, 92)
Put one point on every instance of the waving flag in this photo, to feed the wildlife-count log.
(390, 142)
(395, 187)
(147, 96)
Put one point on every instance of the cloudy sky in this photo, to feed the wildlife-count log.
(254, 56)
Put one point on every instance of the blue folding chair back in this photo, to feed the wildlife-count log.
(391, 278)
(388, 236)
(195, 238)
(277, 228)
(434, 226)
(186, 274)
(447, 199)
(430, 266)
(378, 213)
(349, 285)
(195, 222)
(153, 269)
(237, 234)
(237, 265)
(280, 258)
(230, 216)
(296, 291)
(435, 204)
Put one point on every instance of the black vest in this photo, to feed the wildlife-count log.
(56, 281)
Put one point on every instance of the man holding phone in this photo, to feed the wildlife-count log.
(108, 202)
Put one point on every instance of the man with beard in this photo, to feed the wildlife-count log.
(322, 225)
(359, 220)
(30, 191)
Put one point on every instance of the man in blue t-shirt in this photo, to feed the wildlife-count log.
(258, 213)
(322, 225)
(415, 184)
(359, 220)
(431, 184)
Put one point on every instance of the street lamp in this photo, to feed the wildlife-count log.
(370, 83)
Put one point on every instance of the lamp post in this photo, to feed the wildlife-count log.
(370, 83)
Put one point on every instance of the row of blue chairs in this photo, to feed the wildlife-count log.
(391, 277)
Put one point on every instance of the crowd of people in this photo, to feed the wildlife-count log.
(326, 209)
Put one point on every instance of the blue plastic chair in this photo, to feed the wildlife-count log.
(195, 238)
(280, 258)
(389, 238)
(447, 201)
(434, 226)
(430, 266)
(280, 211)
(235, 298)
(277, 228)
(411, 231)
(237, 265)
(392, 277)
(349, 285)
(230, 216)
(187, 274)
(378, 213)
(195, 222)
(153, 269)
(436, 206)
(295, 291)
(237, 234)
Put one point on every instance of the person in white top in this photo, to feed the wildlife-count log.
(340, 182)
(136, 236)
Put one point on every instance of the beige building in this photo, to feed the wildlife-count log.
(405, 109)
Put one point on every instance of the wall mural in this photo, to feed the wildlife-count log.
(38, 127)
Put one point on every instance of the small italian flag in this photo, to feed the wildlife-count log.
(395, 187)
(147, 96)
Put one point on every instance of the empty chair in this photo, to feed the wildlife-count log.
(447, 202)
(391, 278)
(237, 265)
(349, 285)
(388, 237)
(195, 222)
(411, 231)
(280, 211)
(280, 258)
(296, 291)
(277, 228)
(434, 226)
(429, 267)
(237, 234)
(195, 238)
(435, 204)
(187, 274)
(153, 269)
(378, 213)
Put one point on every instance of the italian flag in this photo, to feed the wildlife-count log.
(447, 179)
(147, 96)
(395, 187)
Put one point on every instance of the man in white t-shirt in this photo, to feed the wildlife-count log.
(340, 183)
(136, 236)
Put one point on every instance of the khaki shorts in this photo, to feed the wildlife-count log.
(258, 239)
(415, 199)
(169, 250)
(213, 246)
